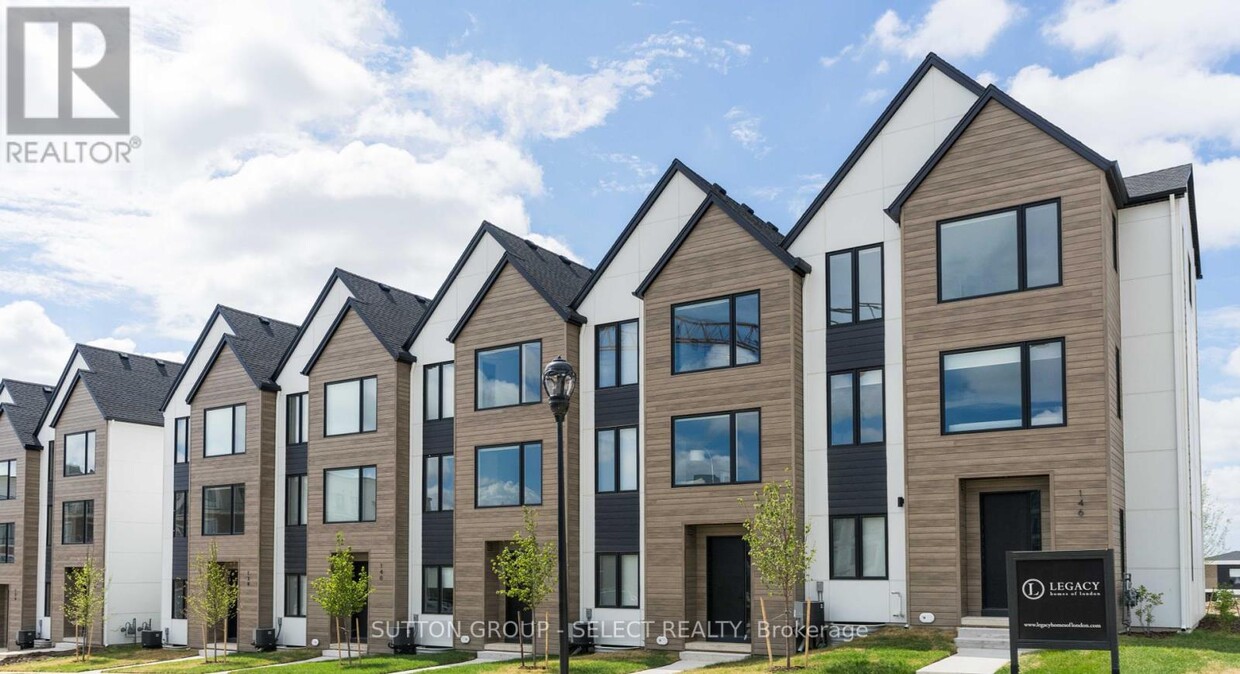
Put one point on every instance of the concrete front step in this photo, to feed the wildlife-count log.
(961, 663)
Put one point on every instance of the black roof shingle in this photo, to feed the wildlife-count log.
(125, 386)
(30, 401)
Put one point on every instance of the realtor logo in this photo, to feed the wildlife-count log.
(1033, 589)
(54, 91)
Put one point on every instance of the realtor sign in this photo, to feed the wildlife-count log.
(1062, 600)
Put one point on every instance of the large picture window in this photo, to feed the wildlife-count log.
(859, 546)
(80, 454)
(77, 522)
(855, 285)
(509, 375)
(295, 595)
(296, 500)
(1006, 387)
(509, 475)
(440, 391)
(437, 590)
(349, 494)
(617, 580)
(180, 513)
(224, 431)
(856, 407)
(717, 448)
(716, 333)
(616, 345)
(180, 441)
(616, 459)
(8, 480)
(8, 542)
(351, 406)
(297, 422)
(1000, 252)
(439, 483)
(223, 510)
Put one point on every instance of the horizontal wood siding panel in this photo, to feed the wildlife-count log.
(437, 538)
(437, 436)
(180, 476)
(617, 522)
(855, 346)
(857, 480)
(296, 459)
(180, 557)
(295, 549)
(617, 406)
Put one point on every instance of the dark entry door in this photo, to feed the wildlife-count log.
(1010, 521)
(727, 588)
(360, 620)
(517, 616)
(230, 625)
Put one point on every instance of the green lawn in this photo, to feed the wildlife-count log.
(887, 651)
(232, 662)
(378, 664)
(1199, 651)
(614, 662)
(101, 658)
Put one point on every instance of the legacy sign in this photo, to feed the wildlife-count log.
(1062, 600)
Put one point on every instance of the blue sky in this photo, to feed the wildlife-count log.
(290, 137)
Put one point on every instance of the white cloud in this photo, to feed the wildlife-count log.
(952, 28)
(32, 347)
(1220, 432)
(872, 96)
(1222, 483)
(746, 129)
(828, 61)
(676, 45)
(882, 67)
(1201, 30)
(1233, 363)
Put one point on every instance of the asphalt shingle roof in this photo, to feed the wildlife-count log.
(390, 312)
(127, 387)
(258, 342)
(1233, 556)
(1160, 182)
(559, 278)
(30, 401)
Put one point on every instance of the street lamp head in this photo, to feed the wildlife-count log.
(559, 381)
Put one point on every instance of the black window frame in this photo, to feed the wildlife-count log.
(180, 589)
(88, 521)
(731, 297)
(303, 486)
(1025, 403)
(637, 456)
(298, 606)
(598, 586)
(89, 449)
(1115, 242)
(361, 405)
(1119, 385)
(520, 370)
(180, 513)
(180, 440)
(521, 448)
(439, 603)
(438, 460)
(8, 542)
(302, 402)
(855, 258)
(859, 547)
(426, 374)
(361, 494)
(731, 414)
(232, 437)
(618, 326)
(237, 488)
(8, 480)
(856, 402)
(1021, 249)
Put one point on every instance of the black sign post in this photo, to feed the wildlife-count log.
(1062, 600)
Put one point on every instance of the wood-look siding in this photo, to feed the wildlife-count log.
(1002, 161)
(20, 577)
(718, 257)
(511, 312)
(972, 491)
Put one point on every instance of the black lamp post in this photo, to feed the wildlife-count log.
(559, 380)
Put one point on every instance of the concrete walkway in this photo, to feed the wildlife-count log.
(483, 657)
(696, 660)
(965, 664)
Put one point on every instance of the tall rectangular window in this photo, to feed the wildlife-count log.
(439, 483)
(295, 592)
(716, 333)
(349, 494)
(80, 454)
(855, 285)
(1001, 252)
(8, 540)
(509, 375)
(1115, 242)
(440, 391)
(297, 421)
(180, 441)
(509, 475)
(178, 598)
(223, 510)
(180, 513)
(351, 406)
(717, 448)
(223, 431)
(617, 580)
(437, 589)
(616, 459)
(1119, 385)
(1015, 386)
(616, 348)
(8, 479)
(856, 407)
(296, 501)
(859, 546)
(77, 522)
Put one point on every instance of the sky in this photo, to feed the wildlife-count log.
(283, 138)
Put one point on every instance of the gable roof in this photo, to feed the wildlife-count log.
(390, 313)
(1233, 556)
(30, 401)
(447, 283)
(124, 386)
(1144, 188)
(555, 277)
(1114, 178)
(932, 60)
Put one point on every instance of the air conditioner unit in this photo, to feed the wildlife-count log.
(264, 639)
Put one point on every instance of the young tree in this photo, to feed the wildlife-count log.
(85, 590)
(1147, 601)
(212, 595)
(342, 592)
(1214, 521)
(527, 571)
(777, 549)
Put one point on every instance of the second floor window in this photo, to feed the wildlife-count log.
(223, 510)
(8, 479)
(717, 448)
(855, 286)
(616, 345)
(8, 541)
(349, 494)
(437, 590)
(509, 375)
(223, 431)
(716, 333)
(439, 483)
(439, 391)
(510, 475)
(1003, 252)
(1014, 386)
(180, 440)
(296, 500)
(180, 513)
(80, 454)
(297, 428)
(856, 403)
(77, 525)
(616, 452)
(351, 406)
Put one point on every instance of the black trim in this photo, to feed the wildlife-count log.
(1119, 385)
(361, 494)
(1022, 249)
(202, 337)
(615, 431)
(598, 586)
(88, 522)
(443, 289)
(302, 400)
(855, 260)
(856, 406)
(351, 304)
(177, 456)
(598, 353)
(226, 340)
(731, 414)
(1025, 403)
(90, 454)
(565, 313)
(232, 439)
(520, 346)
(521, 447)
(438, 368)
(361, 405)
(235, 488)
(859, 548)
(732, 326)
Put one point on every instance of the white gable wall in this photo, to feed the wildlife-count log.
(135, 519)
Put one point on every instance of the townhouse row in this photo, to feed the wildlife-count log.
(980, 337)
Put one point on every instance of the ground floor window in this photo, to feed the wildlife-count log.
(859, 546)
(178, 599)
(617, 580)
(437, 590)
(295, 595)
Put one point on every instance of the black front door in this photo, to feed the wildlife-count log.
(518, 619)
(727, 588)
(358, 624)
(1010, 521)
(230, 625)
